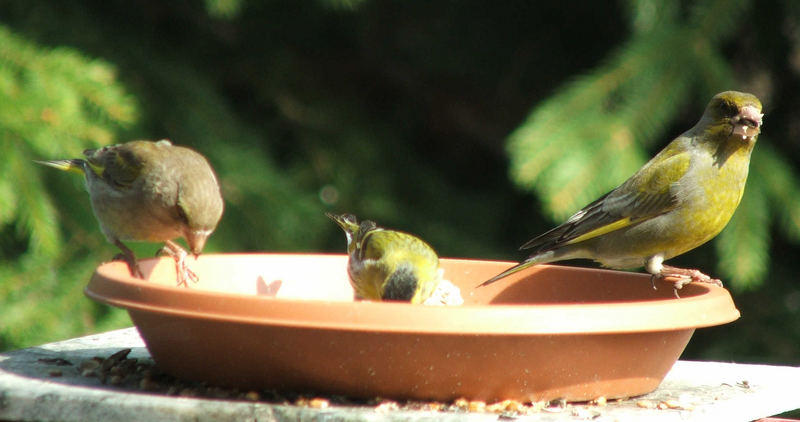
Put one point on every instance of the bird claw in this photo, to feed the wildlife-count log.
(183, 273)
(683, 276)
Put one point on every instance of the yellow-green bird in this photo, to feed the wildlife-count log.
(680, 199)
(387, 264)
(148, 191)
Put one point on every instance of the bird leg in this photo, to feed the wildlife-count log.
(128, 256)
(179, 254)
(679, 276)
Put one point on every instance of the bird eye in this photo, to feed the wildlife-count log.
(728, 108)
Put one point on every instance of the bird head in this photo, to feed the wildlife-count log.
(735, 114)
(199, 215)
(354, 231)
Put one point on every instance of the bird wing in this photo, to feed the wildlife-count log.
(117, 165)
(648, 193)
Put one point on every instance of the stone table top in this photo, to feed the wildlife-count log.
(45, 383)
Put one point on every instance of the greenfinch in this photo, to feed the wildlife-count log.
(680, 199)
(148, 191)
(387, 264)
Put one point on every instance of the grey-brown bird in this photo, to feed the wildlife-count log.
(146, 191)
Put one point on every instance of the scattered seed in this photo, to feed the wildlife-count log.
(537, 407)
(55, 361)
(514, 405)
(387, 406)
(496, 407)
(477, 406)
(461, 403)
(318, 403)
(555, 406)
(114, 359)
(584, 413)
(119, 370)
(147, 384)
(89, 364)
(434, 406)
(505, 406)
(187, 392)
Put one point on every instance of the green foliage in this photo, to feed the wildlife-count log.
(772, 198)
(224, 9)
(52, 102)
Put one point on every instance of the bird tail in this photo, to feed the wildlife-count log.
(541, 258)
(508, 272)
(75, 165)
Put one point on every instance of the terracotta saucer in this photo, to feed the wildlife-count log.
(284, 321)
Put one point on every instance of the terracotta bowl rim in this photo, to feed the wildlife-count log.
(710, 305)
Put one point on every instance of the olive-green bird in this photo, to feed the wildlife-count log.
(680, 199)
(148, 191)
(387, 264)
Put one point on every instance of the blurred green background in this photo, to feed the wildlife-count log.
(473, 124)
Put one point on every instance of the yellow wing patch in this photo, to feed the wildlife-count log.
(608, 228)
(665, 171)
(96, 169)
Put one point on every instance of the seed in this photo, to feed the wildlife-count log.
(147, 384)
(318, 403)
(461, 403)
(89, 364)
(477, 406)
(387, 406)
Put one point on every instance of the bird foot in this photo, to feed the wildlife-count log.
(184, 274)
(681, 277)
(133, 266)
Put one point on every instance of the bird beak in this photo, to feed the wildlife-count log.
(747, 123)
(348, 224)
(197, 240)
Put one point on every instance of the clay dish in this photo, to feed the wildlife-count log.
(288, 322)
